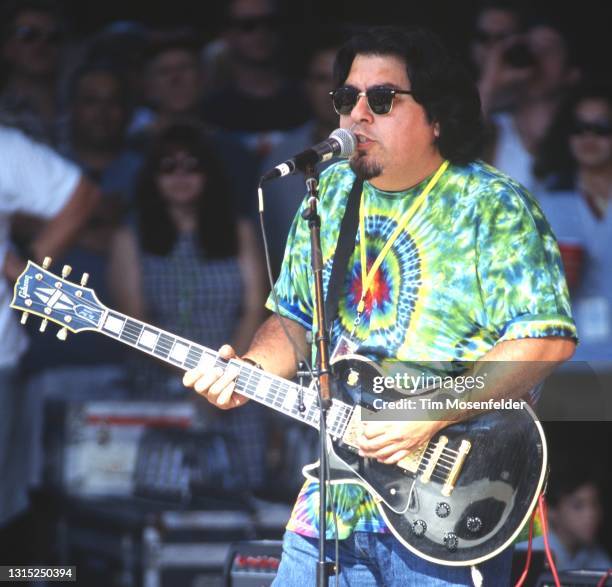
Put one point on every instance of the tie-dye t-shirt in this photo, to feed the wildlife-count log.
(477, 264)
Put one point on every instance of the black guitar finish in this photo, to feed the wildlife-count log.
(495, 492)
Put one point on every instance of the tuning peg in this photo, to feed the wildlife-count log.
(62, 333)
(46, 262)
(84, 279)
(43, 325)
(24, 317)
(66, 270)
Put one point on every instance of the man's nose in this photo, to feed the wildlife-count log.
(361, 111)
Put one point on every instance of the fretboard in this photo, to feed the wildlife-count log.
(270, 390)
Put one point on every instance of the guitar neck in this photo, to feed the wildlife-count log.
(300, 403)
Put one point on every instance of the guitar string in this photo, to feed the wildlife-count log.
(336, 426)
(438, 464)
(430, 451)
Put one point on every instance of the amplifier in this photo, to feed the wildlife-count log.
(151, 449)
(252, 563)
(102, 440)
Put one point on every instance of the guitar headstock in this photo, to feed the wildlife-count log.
(43, 293)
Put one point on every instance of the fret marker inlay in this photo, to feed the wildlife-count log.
(179, 352)
(262, 387)
(113, 324)
(148, 338)
(207, 361)
(290, 399)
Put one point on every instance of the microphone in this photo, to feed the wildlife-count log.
(340, 143)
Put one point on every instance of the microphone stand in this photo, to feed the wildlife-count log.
(322, 372)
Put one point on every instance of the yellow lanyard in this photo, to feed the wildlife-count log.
(367, 277)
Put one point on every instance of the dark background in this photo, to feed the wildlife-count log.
(585, 22)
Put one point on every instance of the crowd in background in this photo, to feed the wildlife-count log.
(175, 133)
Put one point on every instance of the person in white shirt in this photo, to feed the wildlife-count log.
(36, 181)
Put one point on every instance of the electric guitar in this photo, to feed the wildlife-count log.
(459, 500)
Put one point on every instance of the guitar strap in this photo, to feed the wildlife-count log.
(344, 247)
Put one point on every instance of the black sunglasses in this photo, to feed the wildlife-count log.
(250, 24)
(601, 129)
(380, 99)
(33, 34)
(187, 164)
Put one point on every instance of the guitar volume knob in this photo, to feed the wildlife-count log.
(352, 378)
(451, 541)
(474, 524)
(443, 510)
(419, 527)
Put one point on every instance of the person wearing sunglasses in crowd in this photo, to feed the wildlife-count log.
(453, 261)
(575, 191)
(32, 36)
(259, 102)
(191, 267)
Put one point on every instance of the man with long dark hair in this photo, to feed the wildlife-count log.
(452, 262)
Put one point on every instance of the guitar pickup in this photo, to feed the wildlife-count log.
(451, 479)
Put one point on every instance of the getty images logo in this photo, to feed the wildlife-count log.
(413, 384)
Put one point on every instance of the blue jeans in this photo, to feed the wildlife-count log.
(370, 559)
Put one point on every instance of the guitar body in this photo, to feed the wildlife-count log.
(494, 495)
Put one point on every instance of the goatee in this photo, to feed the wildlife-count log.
(363, 168)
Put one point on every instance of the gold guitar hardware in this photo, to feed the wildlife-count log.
(449, 485)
